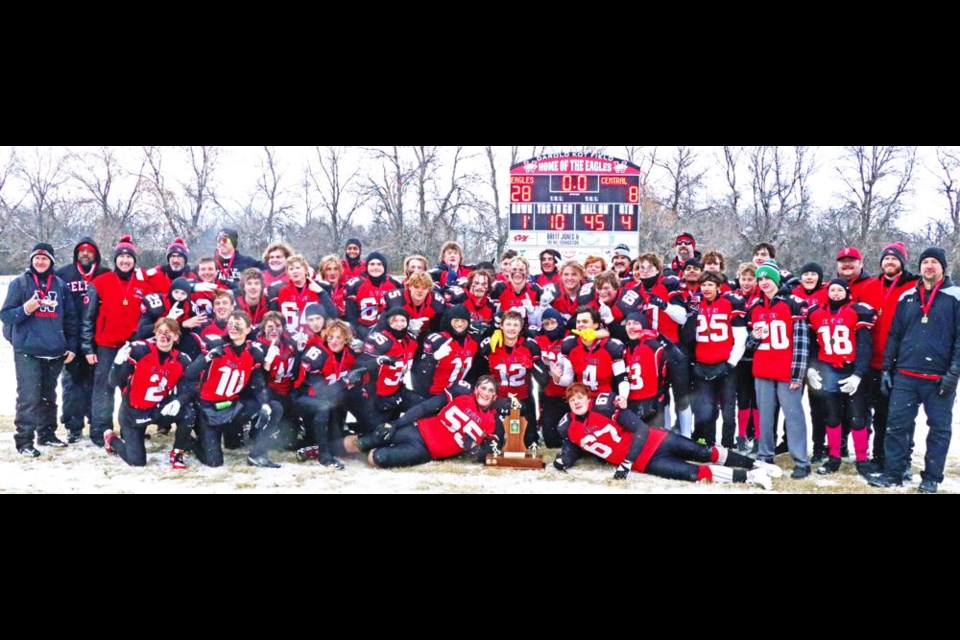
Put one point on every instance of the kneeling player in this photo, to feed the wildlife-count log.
(605, 429)
(442, 427)
(149, 373)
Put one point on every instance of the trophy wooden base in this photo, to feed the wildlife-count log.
(509, 462)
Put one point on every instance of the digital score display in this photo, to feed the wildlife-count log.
(559, 221)
(580, 204)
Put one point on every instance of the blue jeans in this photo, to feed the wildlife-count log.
(905, 400)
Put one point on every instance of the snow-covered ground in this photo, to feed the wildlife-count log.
(83, 468)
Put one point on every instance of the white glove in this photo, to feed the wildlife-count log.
(204, 287)
(266, 409)
(813, 377)
(356, 345)
(315, 287)
(171, 409)
(528, 305)
(301, 338)
(415, 325)
(850, 385)
(547, 297)
(521, 310)
(272, 354)
(443, 351)
(123, 354)
(175, 311)
(606, 314)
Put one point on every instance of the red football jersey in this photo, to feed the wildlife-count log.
(215, 328)
(715, 323)
(432, 307)
(225, 377)
(349, 273)
(390, 377)
(319, 365)
(507, 298)
(818, 296)
(550, 351)
(773, 359)
(283, 370)
(836, 333)
(513, 365)
(256, 313)
(543, 279)
(667, 289)
(292, 303)
(370, 298)
(645, 362)
(445, 432)
(596, 366)
(152, 381)
(453, 367)
(270, 278)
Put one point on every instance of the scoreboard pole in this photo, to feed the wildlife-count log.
(580, 205)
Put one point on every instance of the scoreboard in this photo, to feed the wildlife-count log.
(580, 205)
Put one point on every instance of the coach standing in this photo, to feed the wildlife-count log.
(40, 320)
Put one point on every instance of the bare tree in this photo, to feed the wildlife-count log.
(8, 203)
(685, 183)
(778, 198)
(946, 232)
(112, 191)
(337, 186)
(46, 212)
(183, 206)
(876, 181)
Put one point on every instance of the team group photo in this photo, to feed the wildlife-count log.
(479, 319)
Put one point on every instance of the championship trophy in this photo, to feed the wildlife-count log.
(514, 454)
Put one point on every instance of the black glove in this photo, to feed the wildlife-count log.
(387, 360)
(385, 432)
(354, 376)
(478, 327)
(213, 354)
(657, 301)
(948, 383)
(623, 470)
(886, 383)
(558, 464)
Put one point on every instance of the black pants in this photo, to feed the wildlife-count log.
(103, 395)
(552, 411)
(678, 373)
(649, 410)
(881, 410)
(36, 398)
(706, 400)
(225, 425)
(77, 383)
(746, 393)
(670, 458)
(818, 420)
(130, 446)
(374, 410)
(405, 450)
(279, 430)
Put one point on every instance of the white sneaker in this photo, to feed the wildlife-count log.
(771, 470)
(757, 476)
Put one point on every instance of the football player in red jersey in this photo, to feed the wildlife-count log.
(604, 427)
(366, 294)
(387, 355)
(281, 364)
(151, 377)
(351, 265)
(328, 383)
(721, 337)
(565, 296)
(713, 262)
(475, 296)
(450, 270)
(613, 303)
(275, 257)
(447, 356)
(223, 306)
(252, 295)
(841, 351)
(175, 305)
(292, 298)
(330, 274)
(552, 405)
(549, 269)
(414, 264)
(596, 362)
(519, 292)
(646, 354)
(780, 344)
(748, 416)
(423, 303)
(513, 362)
(232, 391)
(504, 274)
(460, 420)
